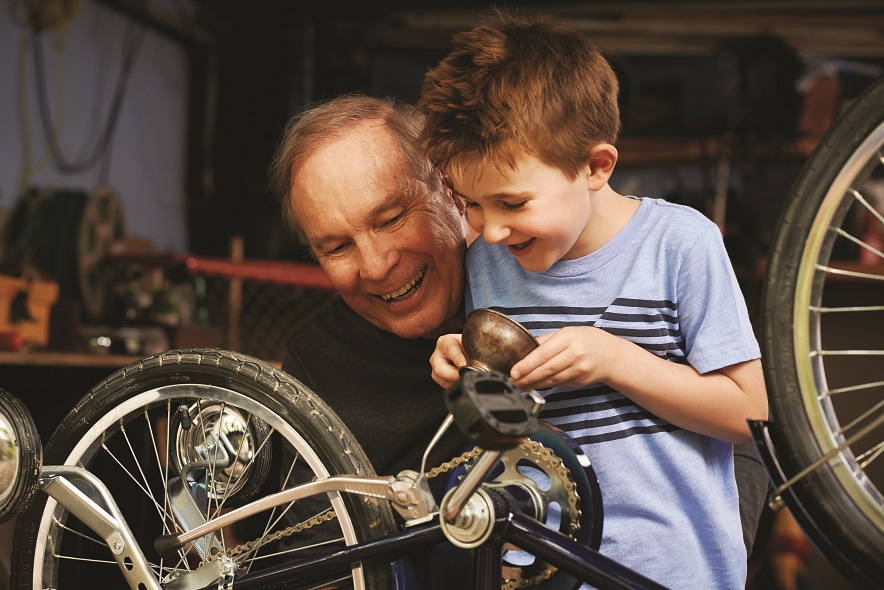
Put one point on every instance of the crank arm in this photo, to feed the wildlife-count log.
(88, 499)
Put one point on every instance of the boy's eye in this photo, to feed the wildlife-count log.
(513, 206)
(470, 204)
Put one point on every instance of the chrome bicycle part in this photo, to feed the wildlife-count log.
(93, 505)
(228, 443)
(473, 522)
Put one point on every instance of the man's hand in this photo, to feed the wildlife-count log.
(447, 359)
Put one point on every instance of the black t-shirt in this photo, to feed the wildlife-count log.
(378, 383)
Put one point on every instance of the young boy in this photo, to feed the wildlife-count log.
(646, 355)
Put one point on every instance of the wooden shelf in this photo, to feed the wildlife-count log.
(649, 150)
(64, 359)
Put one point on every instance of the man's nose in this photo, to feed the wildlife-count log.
(378, 257)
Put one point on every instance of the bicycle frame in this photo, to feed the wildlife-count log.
(509, 525)
(477, 513)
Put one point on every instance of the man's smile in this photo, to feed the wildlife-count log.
(407, 288)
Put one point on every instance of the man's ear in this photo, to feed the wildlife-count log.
(456, 199)
(602, 159)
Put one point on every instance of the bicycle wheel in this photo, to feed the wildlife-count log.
(21, 456)
(823, 323)
(139, 429)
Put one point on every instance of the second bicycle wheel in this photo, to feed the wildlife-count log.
(824, 340)
(167, 418)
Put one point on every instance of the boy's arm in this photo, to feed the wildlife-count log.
(716, 404)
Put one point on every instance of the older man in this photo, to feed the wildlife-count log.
(391, 240)
(390, 237)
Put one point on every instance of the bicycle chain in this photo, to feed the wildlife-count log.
(541, 455)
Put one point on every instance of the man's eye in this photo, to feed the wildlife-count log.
(338, 249)
(393, 220)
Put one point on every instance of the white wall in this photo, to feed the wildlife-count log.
(82, 65)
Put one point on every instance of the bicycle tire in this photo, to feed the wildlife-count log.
(22, 434)
(130, 403)
(816, 399)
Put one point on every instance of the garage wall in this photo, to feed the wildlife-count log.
(82, 62)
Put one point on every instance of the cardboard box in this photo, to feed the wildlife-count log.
(34, 299)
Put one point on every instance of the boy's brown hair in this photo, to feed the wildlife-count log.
(514, 87)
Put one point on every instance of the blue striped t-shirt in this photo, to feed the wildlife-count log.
(664, 282)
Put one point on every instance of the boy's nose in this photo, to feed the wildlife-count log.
(495, 231)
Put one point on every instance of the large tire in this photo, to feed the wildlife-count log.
(824, 342)
(120, 432)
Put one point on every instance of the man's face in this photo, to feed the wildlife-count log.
(392, 250)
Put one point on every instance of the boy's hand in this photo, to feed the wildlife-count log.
(447, 359)
(574, 356)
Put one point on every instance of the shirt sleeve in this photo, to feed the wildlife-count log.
(711, 309)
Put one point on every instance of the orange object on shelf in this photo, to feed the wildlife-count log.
(25, 306)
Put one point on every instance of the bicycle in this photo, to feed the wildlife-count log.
(216, 412)
(212, 466)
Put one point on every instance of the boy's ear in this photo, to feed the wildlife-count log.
(602, 159)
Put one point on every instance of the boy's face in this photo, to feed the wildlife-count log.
(536, 211)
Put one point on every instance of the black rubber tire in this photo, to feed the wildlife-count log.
(842, 512)
(27, 460)
(140, 392)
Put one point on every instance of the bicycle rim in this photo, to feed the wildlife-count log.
(133, 453)
(823, 353)
(814, 353)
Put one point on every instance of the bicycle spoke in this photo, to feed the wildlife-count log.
(272, 520)
(85, 559)
(865, 459)
(147, 493)
(822, 353)
(850, 388)
(867, 414)
(90, 538)
(849, 273)
(868, 206)
(302, 548)
(846, 309)
(860, 243)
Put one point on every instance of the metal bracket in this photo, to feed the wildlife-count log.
(95, 508)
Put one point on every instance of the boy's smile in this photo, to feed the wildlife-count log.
(521, 249)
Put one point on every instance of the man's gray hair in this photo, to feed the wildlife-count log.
(325, 121)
